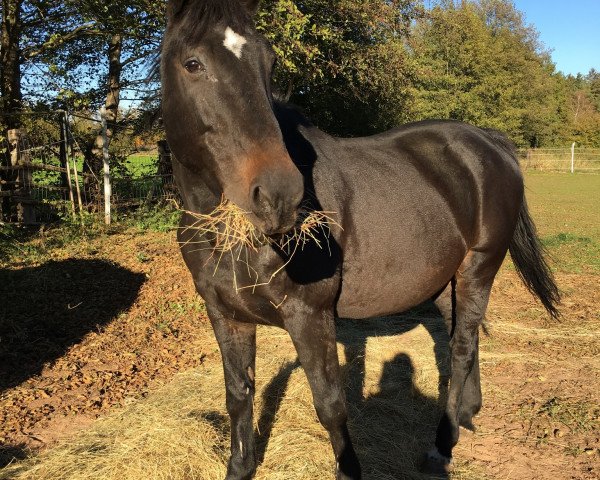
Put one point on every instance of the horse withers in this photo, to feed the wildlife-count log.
(427, 210)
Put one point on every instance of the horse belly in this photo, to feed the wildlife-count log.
(402, 255)
(381, 286)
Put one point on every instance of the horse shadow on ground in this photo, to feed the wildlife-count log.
(394, 428)
(44, 310)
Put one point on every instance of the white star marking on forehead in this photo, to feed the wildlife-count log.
(234, 42)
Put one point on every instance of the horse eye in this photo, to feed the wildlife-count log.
(194, 66)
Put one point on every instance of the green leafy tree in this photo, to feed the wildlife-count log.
(480, 63)
(343, 61)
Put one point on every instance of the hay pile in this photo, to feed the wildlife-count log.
(181, 431)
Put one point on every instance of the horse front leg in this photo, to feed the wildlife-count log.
(314, 338)
(237, 342)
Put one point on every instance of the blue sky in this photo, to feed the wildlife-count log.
(570, 28)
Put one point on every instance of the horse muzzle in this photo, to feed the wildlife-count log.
(275, 200)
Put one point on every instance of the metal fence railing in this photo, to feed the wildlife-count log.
(43, 173)
(130, 192)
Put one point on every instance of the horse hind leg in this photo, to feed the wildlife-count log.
(474, 281)
(471, 398)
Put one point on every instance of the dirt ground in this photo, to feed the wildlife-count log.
(97, 327)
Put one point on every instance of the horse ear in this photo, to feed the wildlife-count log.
(251, 5)
(174, 7)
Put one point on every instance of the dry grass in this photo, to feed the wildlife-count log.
(181, 430)
(392, 368)
(537, 377)
(223, 230)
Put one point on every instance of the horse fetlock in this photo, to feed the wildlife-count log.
(347, 465)
(242, 464)
(467, 412)
(349, 471)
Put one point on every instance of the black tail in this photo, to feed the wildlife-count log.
(528, 256)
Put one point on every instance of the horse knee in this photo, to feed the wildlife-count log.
(332, 411)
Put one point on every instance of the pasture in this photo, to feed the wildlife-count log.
(110, 369)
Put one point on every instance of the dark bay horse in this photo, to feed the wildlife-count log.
(428, 210)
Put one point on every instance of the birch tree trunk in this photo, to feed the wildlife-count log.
(111, 104)
(94, 158)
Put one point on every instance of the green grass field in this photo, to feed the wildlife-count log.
(566, 210)
(141, 164)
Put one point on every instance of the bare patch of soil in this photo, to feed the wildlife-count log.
(84, 333)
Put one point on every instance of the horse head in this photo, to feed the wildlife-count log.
(218, 109)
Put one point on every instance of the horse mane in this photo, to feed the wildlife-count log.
(196, 17)
(290, 114)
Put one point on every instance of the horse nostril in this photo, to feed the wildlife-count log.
(261, 197)
(256, 194)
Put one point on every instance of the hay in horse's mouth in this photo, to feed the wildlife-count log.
(223, 230)
(227, 229)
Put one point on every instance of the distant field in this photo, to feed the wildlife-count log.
(566, 209)
(559, 159)
(142, 164)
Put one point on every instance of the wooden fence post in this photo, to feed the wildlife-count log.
(573, 158)
(24, 178)
(164, 158)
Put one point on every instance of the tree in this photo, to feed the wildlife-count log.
(10, 78)
(343, 61)
(94, 71)
(478, 62)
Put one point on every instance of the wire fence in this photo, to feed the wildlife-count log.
(583, 160)
(45, 172)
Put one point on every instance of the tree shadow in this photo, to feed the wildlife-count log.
(49, 308)
(45, 310)
(12, 453)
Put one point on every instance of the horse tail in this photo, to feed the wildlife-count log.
(528, 256)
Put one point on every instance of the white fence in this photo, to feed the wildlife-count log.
(561, 159)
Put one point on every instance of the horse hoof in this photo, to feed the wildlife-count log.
(436, 464)
(355, 474)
